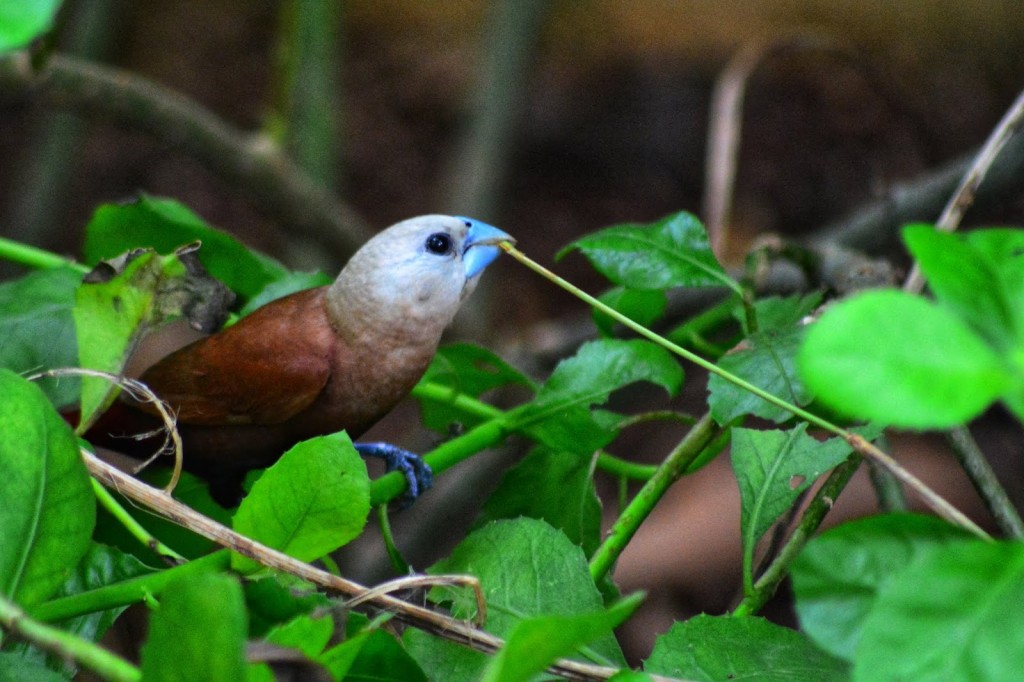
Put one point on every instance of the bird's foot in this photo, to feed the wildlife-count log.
(417, 473)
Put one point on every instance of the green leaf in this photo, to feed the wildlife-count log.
(198, 634)
(640, 305)
(954, 615)
(713, 648)
(309, 503)
(101, 566)
(164, 225)
(559, 415)
(1004, 249)
(382, 658)
(37, 330)
(48, 510)
(22, 22)
(781, 313)
(278, 599)
(15, 666)
(837, 577)
(536, 642)
(966, 280)
(467, 370)
(526, 568)
(772, 469)
(672, 252)
(557, 487)
(897, 359)
(767, 360)
(111, 316)
(305, 633)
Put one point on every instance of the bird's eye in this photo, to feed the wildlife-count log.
(439, 243)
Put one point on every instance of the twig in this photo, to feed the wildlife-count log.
(964, 446)
(141, 393)
(985, 482)
(269, 178)
(874, 225)
(640, 507)
(425, 619)
(965, 193)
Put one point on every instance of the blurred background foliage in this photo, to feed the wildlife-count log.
(549, 119)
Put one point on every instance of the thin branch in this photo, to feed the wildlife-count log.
(417, 616)
(287, 193)
(874, 225)
(973, 461)
(640, 507)
(967, 190)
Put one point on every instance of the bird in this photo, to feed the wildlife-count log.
(321, 360)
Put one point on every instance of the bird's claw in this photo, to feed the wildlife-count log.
(418, 473)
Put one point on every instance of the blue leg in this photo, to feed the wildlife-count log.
(417, 472)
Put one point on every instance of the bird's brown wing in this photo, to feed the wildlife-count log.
(264, 370)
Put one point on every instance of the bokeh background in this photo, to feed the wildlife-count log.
(550, 119)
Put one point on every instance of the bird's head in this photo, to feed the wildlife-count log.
(418, 270)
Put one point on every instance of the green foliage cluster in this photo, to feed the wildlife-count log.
(896, 596)
(879, 599)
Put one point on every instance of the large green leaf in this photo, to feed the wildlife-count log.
(37, 330)
(164, 225)
(557, 487)
(312, 501)
(198, 633)
(838, 576)
(48, 509)
(526, 568)
(22, 21)
(954, 615)
(714, 648)
(898, 359)
(1004, 249)
(773, 468)
(672, 252)
(966, 280)
(536, 642)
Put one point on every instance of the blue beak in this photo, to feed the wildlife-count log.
(480, 248)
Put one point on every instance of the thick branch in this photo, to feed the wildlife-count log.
(876, 225)
(267, 177)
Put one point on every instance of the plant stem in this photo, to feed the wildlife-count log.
(127, 591)
(398, 562)
(769, 581)
(40, 259)
(973, 461)
(939, 505)
(65, 645)
(136, 529)
(639, 508)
